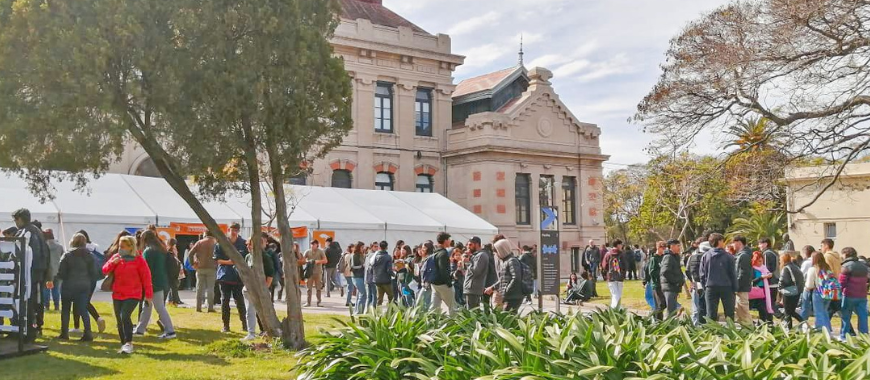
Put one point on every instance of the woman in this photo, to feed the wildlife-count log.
(371, 288)
(509, 281)
(189, 270)
(578, 289)
(424, 292)
(404, 276)
(457, 270)
(358, 276)
(345, 267)
(99, 260)
(806, 297)
(131, 278)
(791, 283)
(175, 275)
(78, 273)
(820, 270)
(759, 295)
(156, 257)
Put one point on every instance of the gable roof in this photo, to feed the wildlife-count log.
(485, 82)
(375, 12)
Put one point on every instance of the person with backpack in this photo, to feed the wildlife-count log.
(853, 281)
(824, 288)
(441, 280)
(78, 272)
(357, 268)
(40, 270)
(592, 255)
(696, 287)
(511, 278)
(382, 273)
(671, 276)
(156, 257)
(639, 261)
(344, 269)
(613, 266)
(476, 274)
(229, 280)
(528, 258)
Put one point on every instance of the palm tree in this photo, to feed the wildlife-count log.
(759, 224)
(755, 134)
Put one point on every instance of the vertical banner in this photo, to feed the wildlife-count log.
(549, 252)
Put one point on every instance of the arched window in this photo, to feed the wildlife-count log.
(146, 168)
(425, 183)
(342, 179)
(384, 181)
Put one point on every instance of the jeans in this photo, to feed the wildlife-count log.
(331, 280)
(205, 281)
(858, 306)
(458, 292)
(671, 303)
(90, 308)
(250, 313)
(162, 314)
(713, 295)
(124, 315)
(806, 304)
(81, 297)
(615, 293)
(359, 284)
(350, 288)
(445, 293)
(699, 307)
(424, 296)
(52, 294)
(820, 306)
(233, 291)
(371, 294)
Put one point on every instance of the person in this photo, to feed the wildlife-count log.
(99, 260)
(333, 254)
(788, 246)
(40, 270)
(442, 285)
(528, 258)
(156, 257)
(672, 279)
(806, 297)
(693, 266)
(639, 262)
(344, 267)
(55, 252)
(189, 271)
(654, 280)
(744, 278)
(424, 294)
(174, 273)
(834, 261)
(77, 271)
(273, 249)
(578, 289)
(457, 270)
(818, 273)
(382, 273)
(268, 273)
(405, 275)
(201, 256)
(592, 254)
(476, 274)
(612, 267)
(760, 296)
(791, 283)
(131, 280)
(509, 280)
(491, 275)
(357, 267)
(316, 258)
(771, 261)
(632, 261)
(229, 280)
(719, 277)
(853, 281)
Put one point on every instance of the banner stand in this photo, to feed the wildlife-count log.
(13, 305)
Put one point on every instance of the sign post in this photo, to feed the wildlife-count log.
(548, 257)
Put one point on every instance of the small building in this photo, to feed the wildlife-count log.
(841, 213)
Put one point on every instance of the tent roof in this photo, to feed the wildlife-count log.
(169, 206)
(333, 211)
(106, 200)
(14, 193)
(241, 205)
(395, 213)
(455, 217)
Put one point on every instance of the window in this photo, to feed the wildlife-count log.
(546, 193)
(523, 199)
(341, 179)
(384, 108)
(384, 181)
(424, 183)
(423, 110)
(569, 200)
(831, 231)
(300, 179)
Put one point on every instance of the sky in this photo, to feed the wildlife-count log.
(604, 54)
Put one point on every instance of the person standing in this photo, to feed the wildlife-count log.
(55, 252)
(510, 281)
(788, 246)
(421, 262)
(201, 256)
(771, 261)
(40, 271)
(229, 280)
(806, 297)
(344, 268)
(333, 254)
(528, 258)
(654, 271)
(744, 278)
(382, 273)
(696, 287)
(613, 266)
(592, 255)
(457, 270)
(357, 267)
(173, 273)
(269, 274)
(77, 271)
(672, 279)
(131, 280)
(476, 274)
(718, 273)
(834, 261)
(791, 283)
(316, 257)
(819, 274)
(156, 258)
(442, 285)
(759, 295)
(853, 281)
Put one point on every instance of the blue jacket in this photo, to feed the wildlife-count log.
(227, 273)
(718, 269)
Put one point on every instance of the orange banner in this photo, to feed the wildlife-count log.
(322, 235)
(193, 228)
(298, 232)
(166, 233)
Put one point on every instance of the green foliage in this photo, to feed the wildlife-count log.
(409, 344)
(760, 223)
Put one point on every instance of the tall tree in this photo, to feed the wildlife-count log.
(233, 93)
(801, 64)
(623, 197)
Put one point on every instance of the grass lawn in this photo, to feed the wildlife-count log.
(201, 351)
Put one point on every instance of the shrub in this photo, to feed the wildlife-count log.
(412, 344)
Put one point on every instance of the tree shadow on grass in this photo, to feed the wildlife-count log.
(45, 366)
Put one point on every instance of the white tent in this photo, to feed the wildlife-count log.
(14, 195)
(456, 220)
(169, 207)
(401, 221)
(347, 219)
(241, 205)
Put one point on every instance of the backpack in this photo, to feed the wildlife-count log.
(637, 256)
(829, 288)
(308, 269)
(99, 260)
(615, 271)
(528, 281)
(429, 270)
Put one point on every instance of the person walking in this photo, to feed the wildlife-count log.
(592, 255)
(672, 279)
(528, 258)
(333, 254)
(317, 258)
(759, 294)
(744, 278)
(699, 304)
(99, 260)
(201, 256)
(357, 267)
(791, 283)
(76, 269)
(442, 285)
(820, 286)
(229, 280)
(834, 261)
(476, 274)
(156, 257)
(174, 272)
(655, 281)
(510, 281)
(382, 273)
(421, 262)
(719, 276)
(344, 269)
(55, 250)
(853, 281)
(131, 279)
(806, 297)
(613, 266)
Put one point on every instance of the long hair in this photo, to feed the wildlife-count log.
(819, 262)
(429, 248)
(116, 244)
(757, 259)
(150, 240)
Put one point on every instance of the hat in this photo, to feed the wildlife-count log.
(673, 242)
(235, 226)
(475, 240)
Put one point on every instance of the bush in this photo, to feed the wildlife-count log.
(412, 344)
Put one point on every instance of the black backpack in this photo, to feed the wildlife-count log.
(308, 269)
(528, 281)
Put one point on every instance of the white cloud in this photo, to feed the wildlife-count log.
(549, 60)
(483, 55)
(485, 20)
(571, 68)
(619, 64)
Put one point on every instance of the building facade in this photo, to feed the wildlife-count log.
(842, 212)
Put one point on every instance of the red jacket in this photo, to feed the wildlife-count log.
(131, 278)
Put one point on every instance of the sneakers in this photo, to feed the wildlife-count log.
(167, 336)
(101, 325)
(75, 330)
(319, 304)
(225, 330)
(308, 304)
(249, 337)
(127, 348)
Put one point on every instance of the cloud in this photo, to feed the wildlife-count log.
(485, 20)
(571, 68)
(483, 55)
(619, 64)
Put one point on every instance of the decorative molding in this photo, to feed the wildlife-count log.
(545, 127)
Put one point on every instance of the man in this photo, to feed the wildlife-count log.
(229, 280)
(653, 278)
(40, 271)
(853, 280)
(201, 256)
(592, 254)
(613, 269)
(696, 287)
(744, 278)
(771, 261)
(317, 258)
(442, 286)
(718, 274)
(269, 273)
(476, 274)
(639, 261)
(491, 275)
(672, 279)
(333, 255)
(835, 262)
(382, 273)
(55, 252)
(528, 258)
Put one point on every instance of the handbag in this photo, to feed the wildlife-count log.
(106, 286)
(756, 293)
(790, 291)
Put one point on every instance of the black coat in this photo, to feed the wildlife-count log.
(671, 273)
(77, 271)
(744, 270)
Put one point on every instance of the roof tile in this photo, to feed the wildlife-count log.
(482, 83)
(375, 12)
